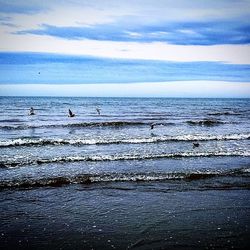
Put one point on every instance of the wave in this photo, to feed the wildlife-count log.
(205, 122)
(120, 177)
(10, 120)
(156, 139)
(224, 113)
(119, 157)
(80, 124)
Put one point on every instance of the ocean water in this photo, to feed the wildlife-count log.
(109, 180)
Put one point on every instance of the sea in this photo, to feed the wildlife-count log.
(142, 173)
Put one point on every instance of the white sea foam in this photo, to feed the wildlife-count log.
(80, 141)
(121, 157)
(122, 177)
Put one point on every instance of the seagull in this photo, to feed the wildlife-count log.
(98, 110)
(71, 114)
(196, 144)
(32, 111)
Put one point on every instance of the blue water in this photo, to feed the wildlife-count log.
(115, 163)
(118, 144)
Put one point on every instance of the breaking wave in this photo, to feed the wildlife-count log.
(205, 122)
(119, 157)
(156, 139)
(224, 113)
(118, 177)
(81, 124)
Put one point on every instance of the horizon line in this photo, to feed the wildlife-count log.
(132, 97)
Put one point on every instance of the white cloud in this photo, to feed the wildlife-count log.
(133, 34)
(80, 13)
(85, 13)
(235, 54)
(159, 34)
(187, 31)
(62, 17)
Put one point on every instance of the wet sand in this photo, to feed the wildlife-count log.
(117, 216)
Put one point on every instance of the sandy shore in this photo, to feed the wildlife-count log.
(135, 216)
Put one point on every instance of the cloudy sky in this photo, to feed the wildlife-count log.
(178, 48)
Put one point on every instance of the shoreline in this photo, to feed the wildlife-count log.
(85, 217)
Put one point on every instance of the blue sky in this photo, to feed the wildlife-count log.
(181, 43)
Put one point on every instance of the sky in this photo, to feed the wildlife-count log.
(145, 48)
